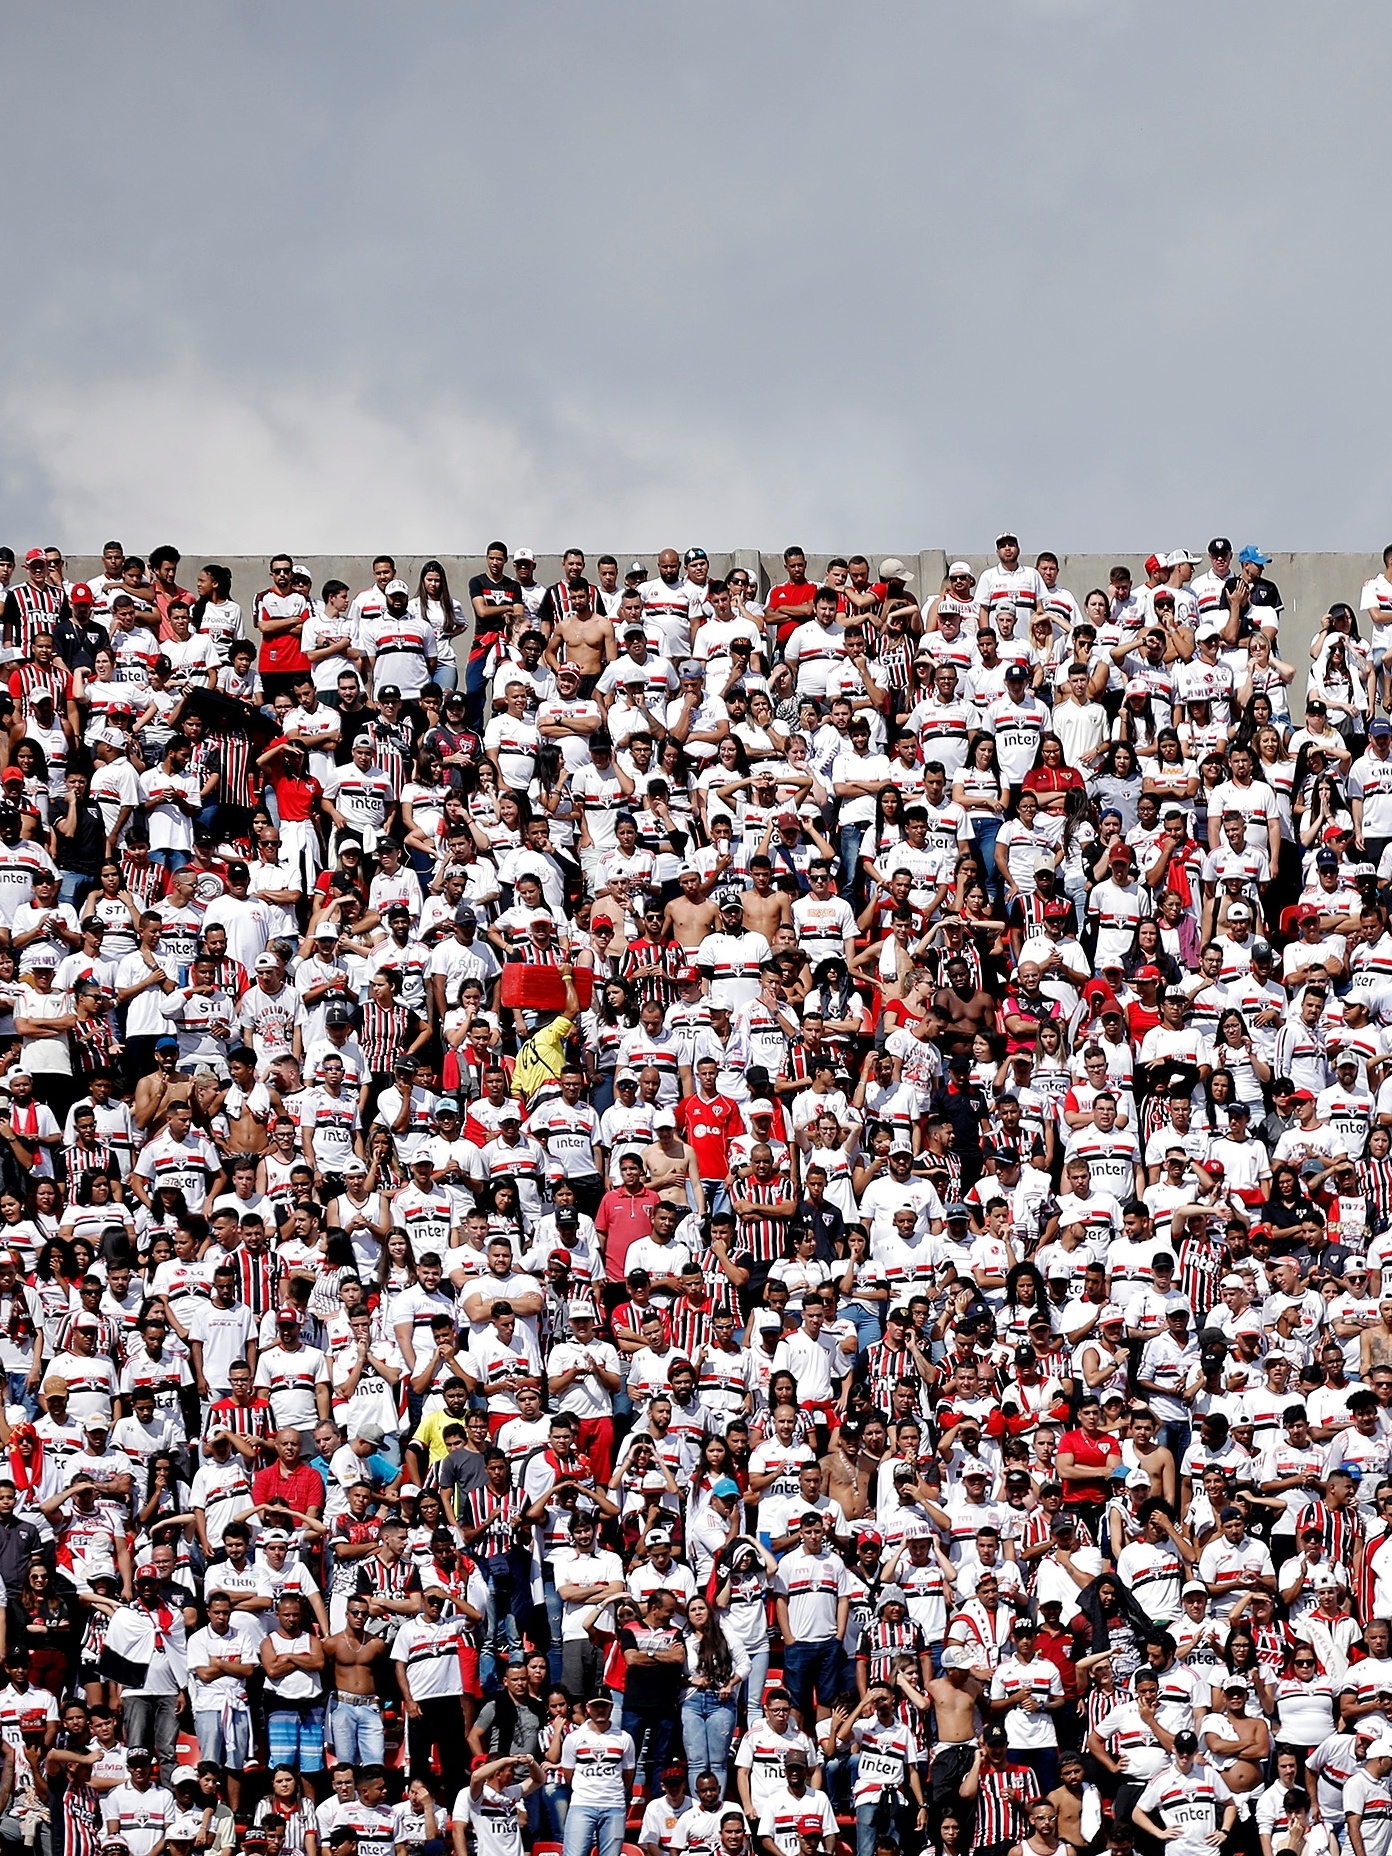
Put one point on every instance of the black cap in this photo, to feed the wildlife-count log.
(1186, 1742)
(994, 1735)
(1220, 545)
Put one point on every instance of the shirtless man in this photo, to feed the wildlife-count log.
(672, 1166)
(966, 1010)
(1375, 1344)
(1157, 1462)
(158, 1092)
(954, 1695)
(247, 1104)
(354, 1709)
(1044, 1838)
(847, 1471)
(584, 639)
(766, 909)
(1067, 1801)
(691, 916)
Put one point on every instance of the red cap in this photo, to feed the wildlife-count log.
(82, 595)
(1121, 853)
(688, 976)
(1303, 1095)
(871, 1534)
(1307, 912)
(1148, 973)
(810, 1825)
(1259, 1230)
(12, 774)
(1333, 833)
(1153, 564)
(34, 554)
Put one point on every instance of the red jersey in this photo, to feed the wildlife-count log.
(710, 1127)
(297, 799)
(1088, 1453)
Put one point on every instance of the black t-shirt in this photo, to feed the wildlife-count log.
(87, 846)
(500, 593)
(1260, 593)
(652, 1687)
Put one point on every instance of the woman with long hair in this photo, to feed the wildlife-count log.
(1117, 786)
(1078, 846)
(1319, 807)
(884, 835)
(385, 1172)
(34, 790)
(1234, 1051)
(1025, 1296)
(675, 768)
(1135, 722)
(977, 788)
(1213, 771)
(717, 1664)
(42, 1616)
(1266, 675)
(434, 604)
(1286, 1203)
(422, 811)
(112, 904)
(1178, 934)
(1345, 689)
(214, 612)
(743, 1573)
(1169, 776)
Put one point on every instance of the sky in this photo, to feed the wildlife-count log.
(341, 277)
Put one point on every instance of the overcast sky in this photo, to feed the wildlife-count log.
(346, 277)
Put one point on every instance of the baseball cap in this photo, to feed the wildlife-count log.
(1253, 557)
(1239, 912)
(82, 595)
(959, 567)
(396, 586)
(267, 963)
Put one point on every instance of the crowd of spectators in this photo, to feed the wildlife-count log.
(669, 1211)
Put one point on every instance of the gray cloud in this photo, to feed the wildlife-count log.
(887, 275)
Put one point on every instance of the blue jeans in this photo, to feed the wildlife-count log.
(555, 1612)
(852, 881)
(872, 1820)
(19, 1394)
(229, 1745)
(589, 1824)
(74, 885)
(808, 1667)
(984, 834)
(652, 1731)
(708, 1726)
(717, 1196)
(866, 1323)
(357, 1734)
(754, 1684)
(172, 860)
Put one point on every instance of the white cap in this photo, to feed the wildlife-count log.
(1181, 557)
(959, 567)
(397, 586)
(664, 1118)
(1381, 1748)
(1210, 628)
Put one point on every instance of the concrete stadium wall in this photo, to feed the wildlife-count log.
(1309, 583)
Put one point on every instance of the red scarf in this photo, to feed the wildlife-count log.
(25, 1479)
